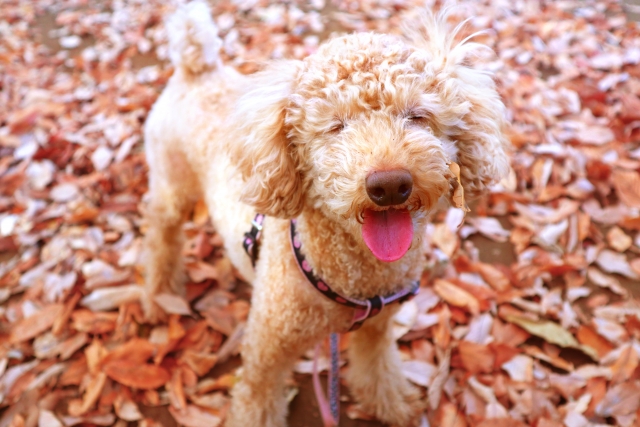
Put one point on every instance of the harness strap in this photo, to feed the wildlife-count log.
(365, 309)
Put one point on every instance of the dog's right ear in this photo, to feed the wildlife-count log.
(261, 149)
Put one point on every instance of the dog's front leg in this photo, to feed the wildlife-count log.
(375, 376)
(279, 330)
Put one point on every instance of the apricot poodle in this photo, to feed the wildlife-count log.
(355, 143)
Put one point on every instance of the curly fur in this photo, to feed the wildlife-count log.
(298, 140)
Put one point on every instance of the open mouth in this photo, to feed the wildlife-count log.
(387, 233)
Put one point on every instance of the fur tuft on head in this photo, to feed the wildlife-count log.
(194, 45)
(262, 152)
(481, 142)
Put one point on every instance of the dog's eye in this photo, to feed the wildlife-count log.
(417, 119)
(337, 127)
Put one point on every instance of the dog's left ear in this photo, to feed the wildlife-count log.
(482, 145)
(262, 151)
(480, 138)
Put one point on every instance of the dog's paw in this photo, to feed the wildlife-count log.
(390, 399)
(400, 407)
(152, 312)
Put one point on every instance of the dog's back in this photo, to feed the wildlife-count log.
(185, 137)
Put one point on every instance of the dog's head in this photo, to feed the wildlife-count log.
(365, 129)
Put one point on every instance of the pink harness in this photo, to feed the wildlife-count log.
(364, 309)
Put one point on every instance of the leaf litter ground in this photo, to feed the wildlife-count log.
(529, 311)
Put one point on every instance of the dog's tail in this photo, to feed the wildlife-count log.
(194, 45)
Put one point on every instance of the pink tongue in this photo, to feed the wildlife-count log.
(388, 234)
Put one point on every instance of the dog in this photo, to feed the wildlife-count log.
(355, 142)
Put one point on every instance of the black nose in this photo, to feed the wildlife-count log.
(388, 188)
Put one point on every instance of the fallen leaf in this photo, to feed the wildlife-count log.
(136, 350)
(173, 304)
(600, 279)
(476, 358)
(457, 196)
(613, 262)
(551, 332)
(618, 239)
(490, 227)
(193, 416)
(106, 299)
(456, 296)
(127, 409)
(445, 239)
(91, 394)
(627, 185)
(519, 368)
(34, 325)
(93, 323)
(493, 276)
(621, 399)
(136, 375)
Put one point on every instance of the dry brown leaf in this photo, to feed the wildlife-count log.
(613, 262)
(92, 394)
(445, 239)
(201, 363)
(175, 389)
(32, 326)
(588, 337)
(490, 227)
(106, 299)
(618, 239)
(93, 323)
(436, 388)
(625, 365)
(457, 195)
(502, 422)
(456, 296)
(476, 358)
(63, 318)
(136, 350)
(200, 271)
(493, 276)
(622, 399)
(173, 304)
(136, 375)
(627, 185)
(193, 416)
(127, 409)
(551, 332)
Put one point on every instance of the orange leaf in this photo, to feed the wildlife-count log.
(91, 394)
(34, 325)
(175, 390)
(493, 276)
(587, 336)
(625, 365)
(503, 353)
(61, 321)
(627, 185)
(454, 295)
(201, 363)
(136, 350)
(135, 375)
(476, 358)
(94, 323)
(457, 196)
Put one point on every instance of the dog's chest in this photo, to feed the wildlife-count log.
(338, 259)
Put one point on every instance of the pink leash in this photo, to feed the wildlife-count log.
(330, 411)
